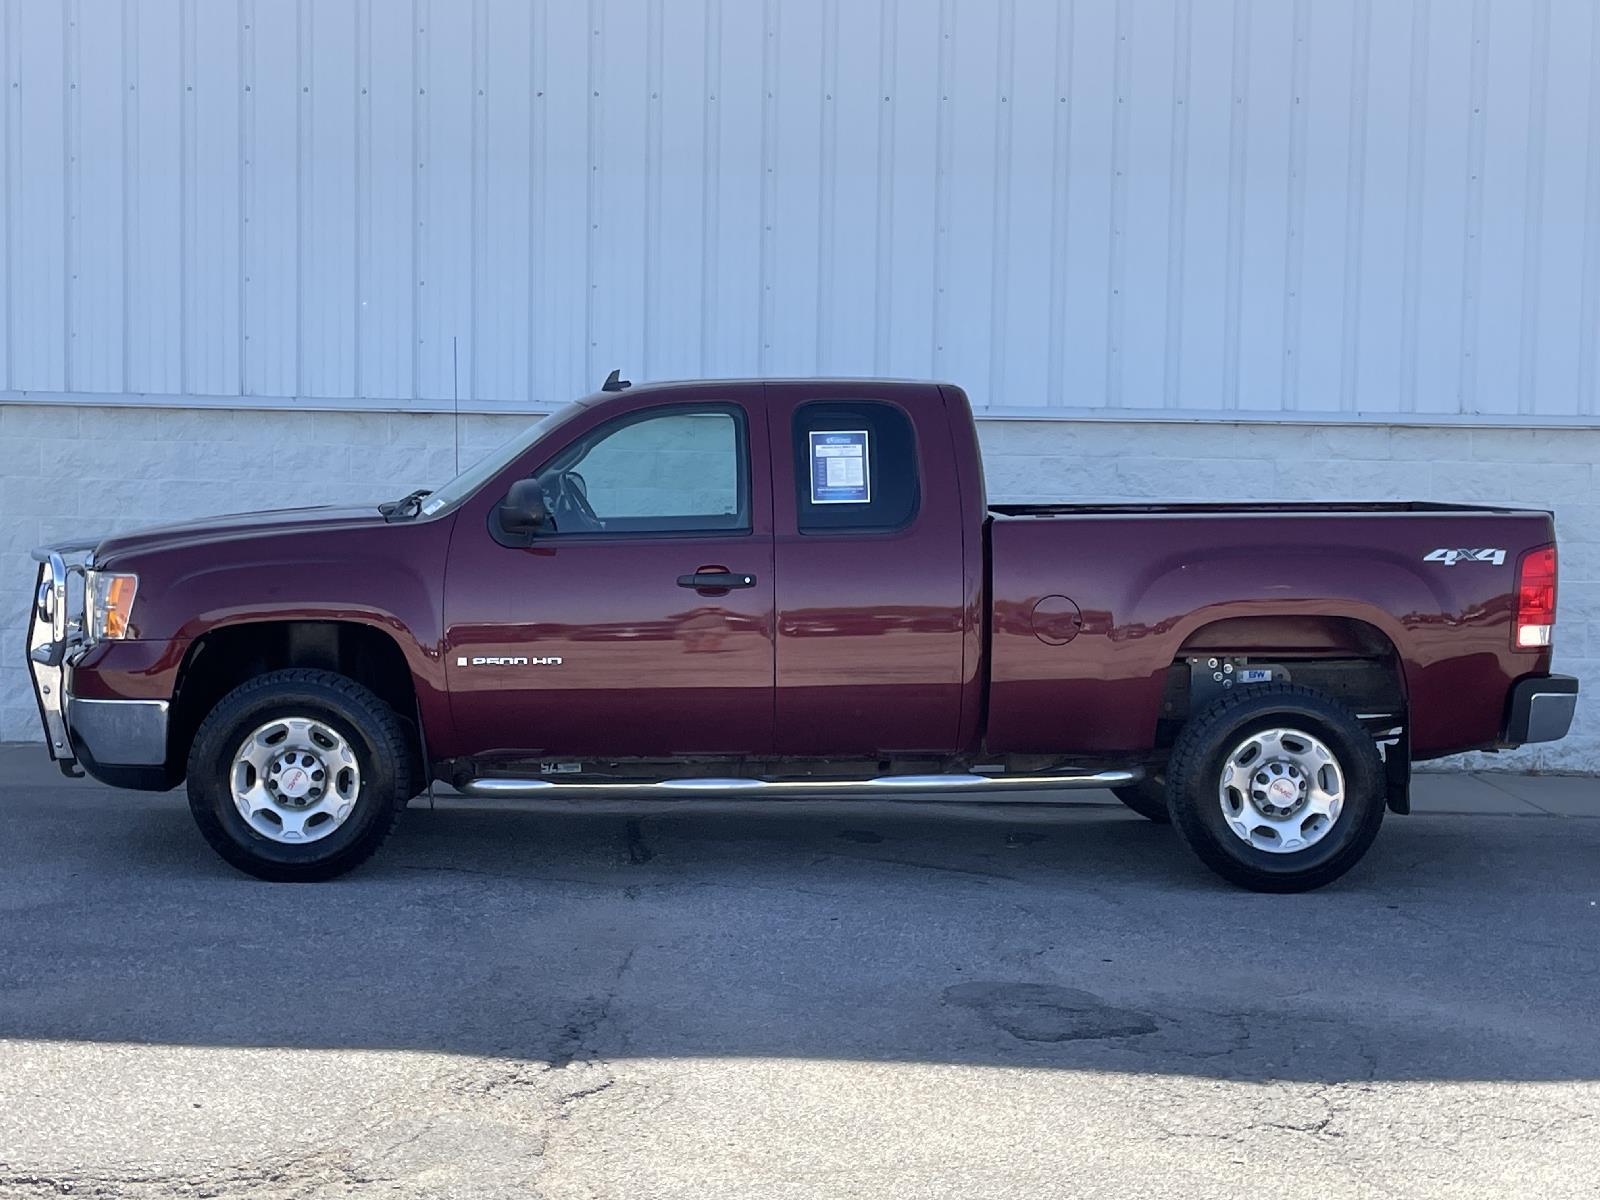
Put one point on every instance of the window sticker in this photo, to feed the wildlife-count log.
(839, 467)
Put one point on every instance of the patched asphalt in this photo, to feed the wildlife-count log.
(793, 1001)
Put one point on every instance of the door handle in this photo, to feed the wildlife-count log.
(705, 581)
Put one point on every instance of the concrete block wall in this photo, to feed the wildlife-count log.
(68, 471)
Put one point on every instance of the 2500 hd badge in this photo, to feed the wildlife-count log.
(514, 660)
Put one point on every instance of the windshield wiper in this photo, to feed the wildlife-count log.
(407, 506)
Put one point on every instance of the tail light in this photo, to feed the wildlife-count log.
(1535, 616)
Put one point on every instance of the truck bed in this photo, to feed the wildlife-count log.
(1243, 508)
(1129, 589)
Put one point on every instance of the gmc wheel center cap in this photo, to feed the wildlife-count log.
(294, 782)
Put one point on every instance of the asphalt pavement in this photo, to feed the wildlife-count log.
(780, 1000)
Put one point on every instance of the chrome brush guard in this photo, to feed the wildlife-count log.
(56, 635)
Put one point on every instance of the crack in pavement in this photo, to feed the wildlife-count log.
(314, 1171)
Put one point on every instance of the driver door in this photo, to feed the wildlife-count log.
(615, 634)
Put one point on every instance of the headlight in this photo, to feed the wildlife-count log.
(110, 603)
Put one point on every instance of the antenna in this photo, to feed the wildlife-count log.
(615, 383)
(455, 396)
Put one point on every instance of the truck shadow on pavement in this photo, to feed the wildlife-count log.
(1078, 938)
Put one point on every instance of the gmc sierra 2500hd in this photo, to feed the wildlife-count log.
(796, 587)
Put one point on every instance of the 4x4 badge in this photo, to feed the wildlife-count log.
(1451, 557)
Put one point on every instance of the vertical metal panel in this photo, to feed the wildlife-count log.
(1560, 328)
(792, 299)
(1397, 124)
(848, 314)
(445, 181)
(560, 312)
(1437, 200)
(94, 268)
(1199, 360)
(1201, 206)
(1141, 231)
(1353, 200)
(10, 154)
(1326, 201)
(37, 205)
(734, 188)
(272, 258)
(212, 94)
(155, 193)
(1021, 355)
(328, 164)
(502, 215)
(1587, 399)
(1509, 70)
(916, 164)
(387, 219)
(678, 228)
(1263, 208)
(619, 168)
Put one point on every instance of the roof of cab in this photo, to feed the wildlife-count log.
(830, 383)
(668, 386)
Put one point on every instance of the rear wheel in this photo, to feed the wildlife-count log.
(1148, 798)
(299, 775)
(1277, 788)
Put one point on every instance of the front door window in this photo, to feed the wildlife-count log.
(679, 471)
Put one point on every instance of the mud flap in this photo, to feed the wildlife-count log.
(1397, 771)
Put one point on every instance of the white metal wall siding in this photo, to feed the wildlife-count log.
(1336, 207)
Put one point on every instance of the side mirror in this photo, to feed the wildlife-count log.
(523, 510)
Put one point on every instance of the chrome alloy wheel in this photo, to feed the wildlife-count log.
(295, 780)
(1281, 790)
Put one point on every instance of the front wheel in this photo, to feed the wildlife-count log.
(1277, 788)
(299, 775)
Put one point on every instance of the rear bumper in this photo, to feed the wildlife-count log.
(1541, 709)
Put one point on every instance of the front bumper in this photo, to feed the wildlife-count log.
(1541, 709)
(99, 733)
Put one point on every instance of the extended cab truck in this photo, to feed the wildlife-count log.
(796, 587)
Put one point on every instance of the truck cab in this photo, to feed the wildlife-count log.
(687, 583)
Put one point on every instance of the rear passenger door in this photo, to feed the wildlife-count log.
(868, 552)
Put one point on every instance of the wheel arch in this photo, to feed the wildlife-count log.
(1347, 658)
(228, 655)
(1282, 632)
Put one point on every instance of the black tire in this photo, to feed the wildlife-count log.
(375, 735)
(1195, 777)
(1148, 798)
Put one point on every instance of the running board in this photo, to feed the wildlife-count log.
(798, 789)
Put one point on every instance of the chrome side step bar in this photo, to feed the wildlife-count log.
(977, 786)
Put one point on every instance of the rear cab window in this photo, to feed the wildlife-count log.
(855, 467)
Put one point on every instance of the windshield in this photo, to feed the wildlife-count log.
(491, 464)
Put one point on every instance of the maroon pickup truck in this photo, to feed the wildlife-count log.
(783, 588)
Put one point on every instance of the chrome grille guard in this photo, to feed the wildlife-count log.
(56, 636)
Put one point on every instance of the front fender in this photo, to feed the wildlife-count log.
(388, 577)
